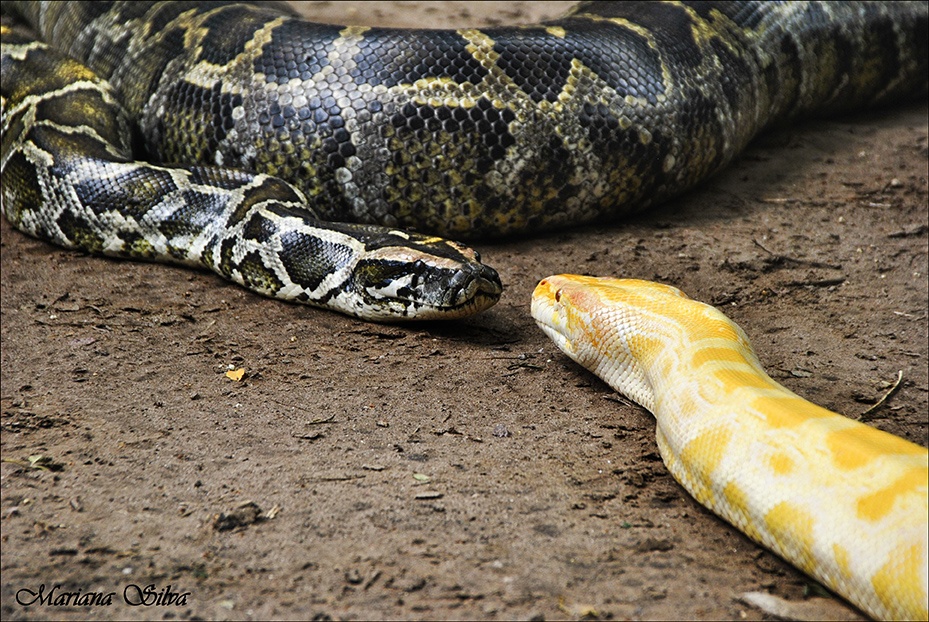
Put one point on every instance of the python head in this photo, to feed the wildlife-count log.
(605, 325)
(402, 275)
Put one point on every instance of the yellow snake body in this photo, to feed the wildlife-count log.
(842, 501)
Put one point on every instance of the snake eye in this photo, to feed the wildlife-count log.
(558, 295)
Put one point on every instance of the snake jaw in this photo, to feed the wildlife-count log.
(408, 276)
(419, 290)
(568, 308)
(549, 315)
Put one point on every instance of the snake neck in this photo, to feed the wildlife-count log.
(819, 489)
(764, 459)
(843, 501)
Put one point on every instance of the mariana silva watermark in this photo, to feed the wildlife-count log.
(133, 595)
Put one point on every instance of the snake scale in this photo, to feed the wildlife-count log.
(845, 502)
(294, 158)
(466, 134)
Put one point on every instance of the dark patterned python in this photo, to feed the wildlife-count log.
(468, 133)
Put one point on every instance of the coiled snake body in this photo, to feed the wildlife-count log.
(469, 133)
(339, 137)
(846, 503)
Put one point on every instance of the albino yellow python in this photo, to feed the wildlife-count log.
(843, 501)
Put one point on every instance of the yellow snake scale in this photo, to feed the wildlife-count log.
(846, 503)
(467, 134)
(293, 156)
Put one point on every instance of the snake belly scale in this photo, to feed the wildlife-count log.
(472, 133)
(845, 502)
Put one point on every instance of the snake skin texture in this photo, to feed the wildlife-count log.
(846, 503)
(69, 177)
(476, 133)
(473, 133)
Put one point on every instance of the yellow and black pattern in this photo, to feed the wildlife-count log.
(69, 177)
(476, 133)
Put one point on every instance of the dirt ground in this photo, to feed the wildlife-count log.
(454, 470)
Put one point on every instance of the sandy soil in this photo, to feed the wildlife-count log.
(451, 470)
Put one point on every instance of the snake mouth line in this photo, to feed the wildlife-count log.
(413, 291)
(545, 316)
(468, 287)
(469, 292)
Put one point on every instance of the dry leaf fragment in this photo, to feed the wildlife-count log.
(236, 374)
